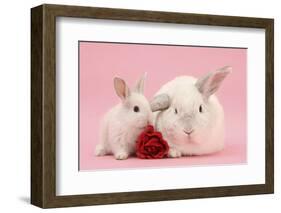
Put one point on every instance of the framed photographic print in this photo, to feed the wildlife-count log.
(135, 106)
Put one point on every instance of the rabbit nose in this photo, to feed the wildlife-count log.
(187, 127)
(188, 132)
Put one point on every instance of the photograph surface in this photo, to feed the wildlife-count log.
(159, 105)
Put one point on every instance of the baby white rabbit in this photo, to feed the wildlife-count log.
(191, 118)
(123, 123)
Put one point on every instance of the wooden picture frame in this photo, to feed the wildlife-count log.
(43, 105)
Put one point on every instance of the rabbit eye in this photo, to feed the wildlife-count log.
(176, 111)
(136, 109)
(200, 109)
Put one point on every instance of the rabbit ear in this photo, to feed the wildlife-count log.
(140, 84)
(121, 88)
(210, 83)
(160, 102)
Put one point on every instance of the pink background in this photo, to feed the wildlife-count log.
(100, 62)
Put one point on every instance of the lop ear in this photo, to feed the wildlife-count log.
(160, 102)
(140, 84)
(210, 83)
(121, 88)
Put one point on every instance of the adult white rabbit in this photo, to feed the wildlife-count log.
(123, 123)
(191, 118)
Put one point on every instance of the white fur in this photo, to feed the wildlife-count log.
(121, 125)
(207, 128)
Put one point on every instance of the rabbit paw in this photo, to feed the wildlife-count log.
(121, 156)
(174, 153)
(100, 150)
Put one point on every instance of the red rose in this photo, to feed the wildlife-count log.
(151, 145)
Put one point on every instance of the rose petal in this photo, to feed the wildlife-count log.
(158, 134)
(140, 155)
(154, 142)
(149, 129)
